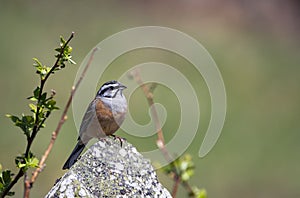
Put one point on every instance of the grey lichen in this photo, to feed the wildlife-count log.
(109, 169)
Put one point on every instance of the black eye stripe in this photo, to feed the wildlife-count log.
(102, 91)
(106, 89)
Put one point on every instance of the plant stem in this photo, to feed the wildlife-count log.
(175, 186)
(36, 124)
(160, 137)
(57, 130)
(42, 84)
(14, 181)
(149, 96)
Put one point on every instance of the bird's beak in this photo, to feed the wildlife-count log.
(122, 86)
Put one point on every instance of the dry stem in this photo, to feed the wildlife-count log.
(160, 137)
(148, 92)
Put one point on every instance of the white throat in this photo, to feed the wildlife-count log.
(116, 104)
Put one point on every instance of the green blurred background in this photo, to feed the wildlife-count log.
(254, 43)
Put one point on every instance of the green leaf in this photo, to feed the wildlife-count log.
(13, 118)
(28, 120)
(33, 162)
(185, 177)
(64, 54)
(36, 92)
(42, 70)
(58, 50)
(62, 41)
(32, 98)
(37, 63)
(42, 100)
(202, 194)
(71, 61)
(19, 160)
(33, 108)
(184, 165)
(26, 162)
(6, 176)
(26, 123)
(51, 105)
(20, 165)
(5, 180)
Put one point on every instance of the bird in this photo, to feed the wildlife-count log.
(103, 117)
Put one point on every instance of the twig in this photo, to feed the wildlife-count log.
(188, 188)
(148, 92)
(57, 130)
(43, 81)
(36, 126)
(25, 179)
(149, 95)
(175, 186)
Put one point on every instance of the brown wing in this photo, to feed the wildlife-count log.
(108, 121)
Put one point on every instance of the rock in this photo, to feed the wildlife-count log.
(108, 169)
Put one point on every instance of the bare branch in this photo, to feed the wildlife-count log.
(175, 186)
(148, 92)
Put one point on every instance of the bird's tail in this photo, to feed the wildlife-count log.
(74, 155)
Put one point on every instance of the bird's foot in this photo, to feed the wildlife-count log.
(119, 138)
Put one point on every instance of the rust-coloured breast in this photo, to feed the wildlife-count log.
(109, 122)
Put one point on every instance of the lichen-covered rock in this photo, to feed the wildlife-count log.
(108, 169)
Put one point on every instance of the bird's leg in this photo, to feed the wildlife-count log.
(119, 138)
